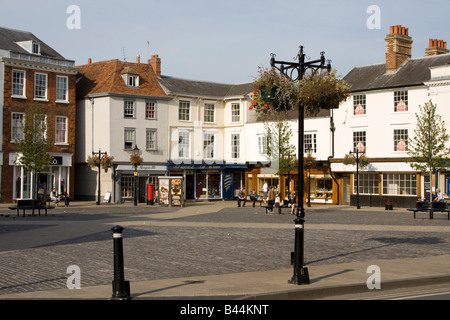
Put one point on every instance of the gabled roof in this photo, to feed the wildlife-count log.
(413, 72)
(206, 89)
(10, 37)
(105, 77)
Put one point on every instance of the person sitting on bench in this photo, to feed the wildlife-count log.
(278, 201)
(253, 197)
(291, 203)
(241, 197)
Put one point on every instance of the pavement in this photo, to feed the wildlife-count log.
(326, 280)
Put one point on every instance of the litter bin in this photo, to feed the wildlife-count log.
(388, 205)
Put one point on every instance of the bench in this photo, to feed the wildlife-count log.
(30, 205)
(422, 206)
(280, 208)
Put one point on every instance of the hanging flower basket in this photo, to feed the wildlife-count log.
(136, 160)
(309, 162)
(363, 161)
(107, 162)
(322, 90)
(93, 161)
(317, 90)
(349, 159)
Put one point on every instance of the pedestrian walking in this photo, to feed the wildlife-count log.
(271, 199)
(265, 191)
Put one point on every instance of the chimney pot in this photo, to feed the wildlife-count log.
(138, 59)
(89, 61)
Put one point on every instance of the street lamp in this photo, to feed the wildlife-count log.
(360, 149)
(100, 157)
(295, 72)
(136, 153)
(309, 154)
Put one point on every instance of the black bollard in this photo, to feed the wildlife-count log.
(121, 288)
(301, 274)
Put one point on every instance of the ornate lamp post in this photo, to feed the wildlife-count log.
(100, 155)
(136, 154)
(360, 149)
(295, 71)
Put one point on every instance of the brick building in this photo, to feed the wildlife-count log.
(32, 73)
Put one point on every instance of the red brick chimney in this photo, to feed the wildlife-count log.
(155, 62)
(398, 47)
(436, 47)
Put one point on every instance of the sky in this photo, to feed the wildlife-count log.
(226, 41)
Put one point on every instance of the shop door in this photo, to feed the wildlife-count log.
(346, 191)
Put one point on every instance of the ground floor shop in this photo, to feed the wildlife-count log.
(210, 181)
(18, 184)
(387, 181)
(319, 186)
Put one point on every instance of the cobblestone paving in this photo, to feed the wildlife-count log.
(154, 251)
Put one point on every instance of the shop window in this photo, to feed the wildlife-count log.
(321, 187)
(399, 184)
(368, 183)
(127, 187)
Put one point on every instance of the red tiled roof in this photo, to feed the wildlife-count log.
(106, 77)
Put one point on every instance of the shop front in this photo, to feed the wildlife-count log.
(124, 186)
(55, 176)
(209, 181)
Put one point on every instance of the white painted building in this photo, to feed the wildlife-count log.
(380, 116)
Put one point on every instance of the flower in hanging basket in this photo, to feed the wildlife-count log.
(349, 159)
(107, 161)
(309, 161)
(363, 161)
(322, 90)
(93, 161)
(135, 160)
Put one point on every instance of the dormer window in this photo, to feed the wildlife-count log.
(130, 77)
(36, 48)
(31, 46)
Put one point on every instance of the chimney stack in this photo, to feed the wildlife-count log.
(398, 47)
(155, 62)
(89, 60)
(436, 47)
(138, 59)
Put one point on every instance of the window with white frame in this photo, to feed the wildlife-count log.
(40, 125)
(40, 86)
(209, 113)
(61, 130)
(18, 83)
(61, 88)
(235, 112)
(129, 138)
(359, 141)
(262, 144)
(310, 142)
(359, 104)
(400, 139)
(129, 109)
(35, 48)
(184, 111)
(400, 184)
(400, 101)
(235, 145)
(184, 144)
(150, 139)
(208, 145)
(150, 110)
(369, 183)
(132, 80)
(17, 126)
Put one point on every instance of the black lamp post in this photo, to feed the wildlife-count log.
(100, 157)
(359, 152)
(295, 71)
(136, 153)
